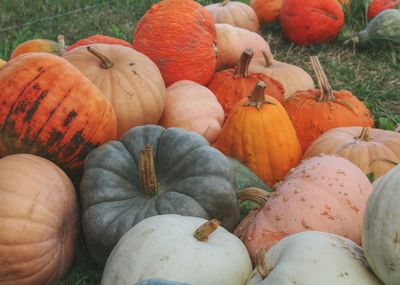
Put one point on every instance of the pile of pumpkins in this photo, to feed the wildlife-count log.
(192, 155)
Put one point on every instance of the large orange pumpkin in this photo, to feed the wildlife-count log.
(258, 132)
(315, 111)
(179, 36)
(99, 39)
(38, 221)
(311, 21)
(267, 10)
(377, 6)
(231, 85)
(49, 108)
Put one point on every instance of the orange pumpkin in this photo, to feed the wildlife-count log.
(231, 85)
(236, 13)
(267, 10)
(317, 110)
(129, 79)
(39, 220)
(2, 62)
(40, 45)
(377, 6)
(259, 133)
(179, 36)
(373, 150)
(326, 193)
(99, 39)
(50, 109)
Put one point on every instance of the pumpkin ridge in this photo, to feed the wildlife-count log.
(324, 12)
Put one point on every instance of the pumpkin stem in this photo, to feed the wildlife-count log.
(61, 44)
(203, 232)
(223, 3)
(257, 97)
(267, 57)
(104, 61)
(364, 136)
(242, 69)
(261, 263)
(325, 89)
(147, 173)
(254, 194)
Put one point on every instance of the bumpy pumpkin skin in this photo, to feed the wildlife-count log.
(267, 10)
(179, 36)
(99, 39)
(38, 221)
(235, 13)
(326, 193)
(195, 180)
(377, 6)
(380, 236)
(311, 21)
(373, 150)
(37, 45)
(52, 110)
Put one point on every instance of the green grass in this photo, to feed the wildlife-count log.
(373, 75)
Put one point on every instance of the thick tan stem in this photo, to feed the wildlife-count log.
(267, 57)
(104, 61)
(147, 173)
(242, 69)
(257, 97)
(204, 231)
(257, 195)
(325, 89)
(61, 44)
(223, 3)
(261, 263)
(364, 136)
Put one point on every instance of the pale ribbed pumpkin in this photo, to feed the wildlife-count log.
(129, 79)
(292, 77)
(193, 107)
(258, 132)
(325, 193)
(373, 150)
(236, 13)
(232, 41)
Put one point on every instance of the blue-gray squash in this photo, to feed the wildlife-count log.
(158, 281)
(153, 171)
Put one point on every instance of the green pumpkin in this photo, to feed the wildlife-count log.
(153, 171)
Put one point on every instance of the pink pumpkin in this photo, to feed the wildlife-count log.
(324, 193)
(193, 107)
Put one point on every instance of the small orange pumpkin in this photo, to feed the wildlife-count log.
(377, 6)
(267, 10)
(259, 133)
(315, 111)
(2, 62)
(99, 39)
(40, 45)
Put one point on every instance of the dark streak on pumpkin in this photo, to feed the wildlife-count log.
(35, 106)
(71, 115)
(75, 142)
(325, 13)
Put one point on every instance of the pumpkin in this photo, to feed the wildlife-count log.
(311, 21)
(158, 281)
(312, 258)
(153, 171)
(193, 107)
(380, 235)
(377, 6)
(164, 246)
(40, 45)
(2, 63)
(375, 151)
(179, 36)
(129, 79)
(292, 77)
(258, 132)
(236, 13)
(52, 110)
(231, 85)
(325, 193)
(38, 221)
(315, 111)
(267, 10)
(99, 39)
(246, 178)
(232, 41)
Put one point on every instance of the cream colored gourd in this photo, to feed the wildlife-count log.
(235, 13)
(313, 258)
(193, 107)
(179, 248)
(128, 78)
(232, 41)
(292, 77)
(381, 228)
(373, 150)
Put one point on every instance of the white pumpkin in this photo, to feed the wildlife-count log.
(313, 258)
(166, 246)
(381, 228)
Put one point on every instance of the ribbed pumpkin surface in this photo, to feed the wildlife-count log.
(99, 39)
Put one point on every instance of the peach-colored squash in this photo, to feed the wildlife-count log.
(325, 193)
(193, 107)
